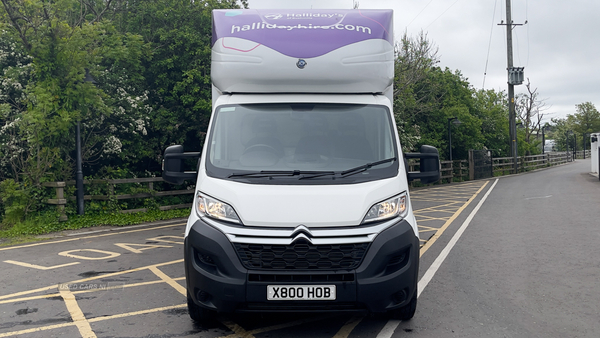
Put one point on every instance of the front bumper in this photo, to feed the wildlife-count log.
(385, 279)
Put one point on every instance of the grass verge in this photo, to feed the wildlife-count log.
(28, 230)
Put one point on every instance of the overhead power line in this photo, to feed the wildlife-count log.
(489, 45)
(454, 3)
(411, 21)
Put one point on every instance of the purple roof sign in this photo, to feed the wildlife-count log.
(303, 33)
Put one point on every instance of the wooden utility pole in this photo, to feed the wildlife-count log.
(512, 125)
(513, 78)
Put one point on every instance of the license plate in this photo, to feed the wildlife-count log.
(300, 292)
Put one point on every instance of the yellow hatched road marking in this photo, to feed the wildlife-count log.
(426, 228)
(424, 218)
(434, 238)
(442, 200)
(431, 211)
(449, 211)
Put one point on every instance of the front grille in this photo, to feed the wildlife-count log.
(301, 278)
(301, 255)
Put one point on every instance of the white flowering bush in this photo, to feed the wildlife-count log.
(15, 75)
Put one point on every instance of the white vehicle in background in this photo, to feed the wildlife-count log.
(302, 200)
(550, 146)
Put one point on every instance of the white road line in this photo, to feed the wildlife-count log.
(538, 197)
(390, 327)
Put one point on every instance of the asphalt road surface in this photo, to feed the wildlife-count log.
(511, 257)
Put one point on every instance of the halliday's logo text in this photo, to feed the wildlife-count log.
(277, 16)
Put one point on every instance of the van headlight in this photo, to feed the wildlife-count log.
(394, 207)
(208, 206)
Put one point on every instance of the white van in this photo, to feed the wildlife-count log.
(302, 199)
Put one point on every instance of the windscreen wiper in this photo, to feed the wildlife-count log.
(365, 167)
(307, 176)
(275, 173)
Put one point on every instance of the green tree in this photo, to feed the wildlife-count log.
(15, 74)
(455, 99)
(426, 96)
(586, 121)
(587, 118)
(430, 102)
(414, 59)
(59, 41)
(64, 39)
(177, 76)
(491, 107)
(561, 128)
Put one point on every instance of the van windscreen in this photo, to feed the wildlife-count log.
(301, 143)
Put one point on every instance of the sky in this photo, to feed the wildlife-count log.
(559, 46)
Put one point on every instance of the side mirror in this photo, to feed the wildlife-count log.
(429, 165)
(173, 165)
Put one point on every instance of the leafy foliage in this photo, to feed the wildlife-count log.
(48, 222)
(491, 109)
(136, 75)
(586, 120)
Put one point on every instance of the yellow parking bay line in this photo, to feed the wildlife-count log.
(136, 313)
(168, 280)
(39, 267)
(115, 232)
(14, 300)
(36, 329)
(239, 332)
(46, 288)
(76, 314)
(92, 320)
(345, 331)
